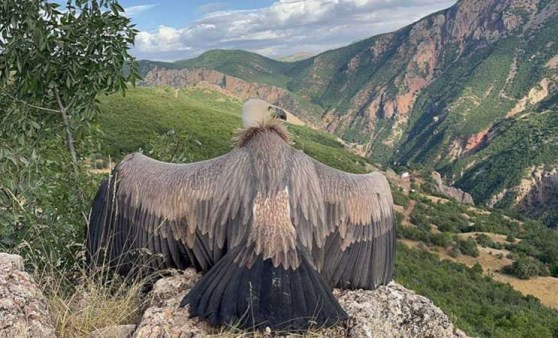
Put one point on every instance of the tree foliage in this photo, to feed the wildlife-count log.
(54, 62)
(59, 60)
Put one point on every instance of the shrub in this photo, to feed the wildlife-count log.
(484, 240)
(442, 239)
(399, 217)
(468, 247)
(477, 268)
(400, 198)
(526, 267)
(454, 252)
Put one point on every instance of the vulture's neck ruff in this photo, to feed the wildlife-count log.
(243, 136)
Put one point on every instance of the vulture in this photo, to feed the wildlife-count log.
(272, 229)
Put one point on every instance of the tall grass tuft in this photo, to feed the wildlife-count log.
(81, 301)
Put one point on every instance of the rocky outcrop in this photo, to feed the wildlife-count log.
(539, 188)
(535, 95)
(23, 308)
(116, 331)
(452, 192)
(230, 85)
(537, 193)
(418, 55)
(394, 311)
(389, 311)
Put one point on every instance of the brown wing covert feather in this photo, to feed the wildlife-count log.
(179, 214)
(347, 222)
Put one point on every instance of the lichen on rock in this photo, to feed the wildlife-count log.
(23, 308)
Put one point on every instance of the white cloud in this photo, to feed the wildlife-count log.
(286, 27)
(135, 10)
(212, 7)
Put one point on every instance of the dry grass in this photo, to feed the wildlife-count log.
(436, 199)
(543, 288)
(311, 333)
(81, 302)
(496, 238)
(487, 259)
(92, 304)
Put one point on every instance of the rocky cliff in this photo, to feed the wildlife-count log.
(230, 85)
(389, 311)
(23, 308)
(536, 195)
(452, 192)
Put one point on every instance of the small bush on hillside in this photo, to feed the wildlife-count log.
(442, 239)
(477, 268)
(455, 252)
(414, 234)
(399, 217)
(487, 242)
(468, 247)
(400, 198)
(526, 267)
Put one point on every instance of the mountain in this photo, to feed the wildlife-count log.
(296, 57)
(249, 66)
(471, 91)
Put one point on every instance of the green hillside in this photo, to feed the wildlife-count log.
(475, 94)
(203, 122)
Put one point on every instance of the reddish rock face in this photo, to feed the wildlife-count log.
(476, 141)
(229, 85)
(418, 55)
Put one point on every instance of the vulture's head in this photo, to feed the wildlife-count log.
(257, 113)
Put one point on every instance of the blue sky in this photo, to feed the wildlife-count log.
(149, 15)
(172, 29)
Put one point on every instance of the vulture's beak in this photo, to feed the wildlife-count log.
(279, 113)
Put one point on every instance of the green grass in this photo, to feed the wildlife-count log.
(131, 123)
(207, 118)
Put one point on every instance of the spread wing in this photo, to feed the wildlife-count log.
(346, 221)
(178, 215)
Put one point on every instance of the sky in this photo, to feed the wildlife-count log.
(172, 29)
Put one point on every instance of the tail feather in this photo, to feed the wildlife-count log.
(264, 296)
